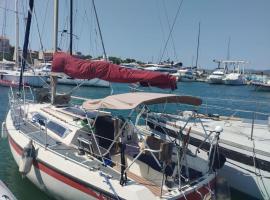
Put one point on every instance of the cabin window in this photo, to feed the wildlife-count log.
(40, 119)
(56, 128)
(51, 125)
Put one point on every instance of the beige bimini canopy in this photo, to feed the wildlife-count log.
(129, 101)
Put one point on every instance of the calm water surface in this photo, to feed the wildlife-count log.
(25, 190)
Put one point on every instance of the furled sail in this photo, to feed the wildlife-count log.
(85, 69)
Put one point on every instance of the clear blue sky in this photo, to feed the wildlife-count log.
(139, 28)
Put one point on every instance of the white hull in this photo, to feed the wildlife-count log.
(28, 79)
(186, 79)
(215, 80)
(235, 82)
(239, 174)
(92, 82)
(64, 178)
(5, 193)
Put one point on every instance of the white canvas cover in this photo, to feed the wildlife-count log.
(128, 101)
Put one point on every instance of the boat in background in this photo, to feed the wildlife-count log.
(237, 75)
(12, 78)
(218, 74)
(244, 143)
(186, 75)
(45, 69)
(261, 86)
(95, 82)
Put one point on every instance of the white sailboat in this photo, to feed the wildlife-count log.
(244, 142)
(86, 153)
(11, 77)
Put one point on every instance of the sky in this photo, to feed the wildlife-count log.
(139, 29)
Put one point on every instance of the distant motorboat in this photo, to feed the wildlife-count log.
(261, 85)
(165, 69)
(237, 76)
(218, 74)
(216, 77)
(186, 75)
(235, 79)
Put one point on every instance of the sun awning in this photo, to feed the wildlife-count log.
(128, 101)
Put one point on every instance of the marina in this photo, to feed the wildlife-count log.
(77, 123)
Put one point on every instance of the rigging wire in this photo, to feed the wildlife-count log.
(171, 30)
(4, 29)
(162, 28)
(11, 10)
(169, 25)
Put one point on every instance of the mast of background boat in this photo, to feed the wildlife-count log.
(198, 45)
(26, 40)
(55, 42)
(4, 29)
(99, 30)
(71, 27)
(16, 50)
(228, 53)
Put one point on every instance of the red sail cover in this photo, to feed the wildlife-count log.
(85, 69)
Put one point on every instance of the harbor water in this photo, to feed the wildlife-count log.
(222, 96)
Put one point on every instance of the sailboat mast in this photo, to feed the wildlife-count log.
(99, 30)
(16, 50)
(55, 42)
(26, 40)
(198, 45)
(228, 49)
(71, 27)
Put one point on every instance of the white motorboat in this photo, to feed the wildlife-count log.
(164, 69)
(218, 74)
(216, 77)
(186, 75)
(237, 76)
(261, 85)
(244, 142)
(235, 79)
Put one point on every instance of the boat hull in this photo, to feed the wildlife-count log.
(235, 82)
(66, 183)
(34, 81)
(93, 82)
(240, 176)
(215, 80)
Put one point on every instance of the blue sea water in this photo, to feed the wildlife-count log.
(235, 97)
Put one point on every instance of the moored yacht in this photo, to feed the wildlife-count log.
(186, 75)
(12, 78)
(244, 142)
(217, 76)
(237, 75)
(87, 153)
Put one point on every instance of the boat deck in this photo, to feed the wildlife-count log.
(68, 152)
